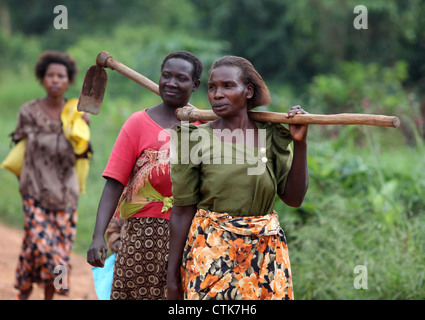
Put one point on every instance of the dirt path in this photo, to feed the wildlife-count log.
(81, 281)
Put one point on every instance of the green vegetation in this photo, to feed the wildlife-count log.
(363, 207)
(366, 200)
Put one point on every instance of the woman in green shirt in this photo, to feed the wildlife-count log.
(226, 239)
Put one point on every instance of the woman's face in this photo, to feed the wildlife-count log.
(227, 93)
(56, 80)
(176, 84)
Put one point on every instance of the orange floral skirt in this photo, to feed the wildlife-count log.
(47, 243)
(236, 258)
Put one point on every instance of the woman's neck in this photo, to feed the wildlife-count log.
(54, 102)
(238, 122)
(52, 106)
(237, 129)
(163, 114)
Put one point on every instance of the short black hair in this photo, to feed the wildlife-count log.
(48, 57)
(189, 57)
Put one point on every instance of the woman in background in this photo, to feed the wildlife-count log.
(48, 181)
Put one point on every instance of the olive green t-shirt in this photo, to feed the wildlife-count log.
(229, 177)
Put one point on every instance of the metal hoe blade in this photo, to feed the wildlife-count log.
(93, 90)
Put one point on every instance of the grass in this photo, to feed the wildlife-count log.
(363, 208)
(365, 205)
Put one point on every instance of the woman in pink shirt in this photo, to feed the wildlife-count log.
(138, 187)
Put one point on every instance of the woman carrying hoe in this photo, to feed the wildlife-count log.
(226, 239)
(138, 185)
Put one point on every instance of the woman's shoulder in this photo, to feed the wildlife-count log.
(28, 110)
(277, 136)
(275, 129)
(141, 114)
(29, 105)
(186, 126)
(136, 120)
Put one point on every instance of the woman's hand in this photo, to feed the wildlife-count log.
(174, 292)
(112, 191)
(86, 118)
(297, 181)
(297, 131)
(180, 222)
(96, 254)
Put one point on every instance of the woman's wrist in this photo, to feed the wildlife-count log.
(300, 144)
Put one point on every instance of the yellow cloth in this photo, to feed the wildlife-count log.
(75, 129)
(15, 159)
(82, 167)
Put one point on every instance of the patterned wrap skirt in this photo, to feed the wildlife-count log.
(140, 270)
(236, 258)
(46, 247)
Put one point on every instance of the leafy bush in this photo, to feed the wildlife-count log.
(359, 87)
(365, 204)
(362, 208)
(369, 88)
(142, 49)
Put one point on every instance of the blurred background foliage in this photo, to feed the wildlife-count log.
(366, 200)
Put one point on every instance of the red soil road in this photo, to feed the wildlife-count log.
(81, 279)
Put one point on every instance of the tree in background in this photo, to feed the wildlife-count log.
(288, 41)
(292, 41)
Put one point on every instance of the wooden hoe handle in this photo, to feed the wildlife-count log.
(192, 114)
(105, 60)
